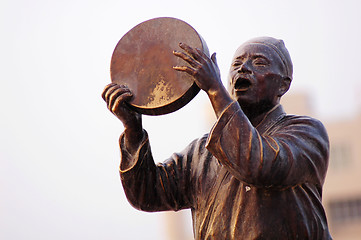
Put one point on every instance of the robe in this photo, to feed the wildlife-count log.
(240, 181)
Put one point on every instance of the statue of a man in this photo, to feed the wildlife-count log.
(257, 175)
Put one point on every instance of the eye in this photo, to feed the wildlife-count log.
(237, 64)
(260, 62)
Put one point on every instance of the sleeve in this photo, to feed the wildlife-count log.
(295, 153)
(150, 187)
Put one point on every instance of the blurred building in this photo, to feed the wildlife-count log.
(342, 196)
(342, 189)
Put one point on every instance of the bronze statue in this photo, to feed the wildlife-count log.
(257, 175)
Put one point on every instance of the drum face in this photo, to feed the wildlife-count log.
(143, 60)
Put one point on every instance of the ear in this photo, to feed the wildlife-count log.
(284, 86)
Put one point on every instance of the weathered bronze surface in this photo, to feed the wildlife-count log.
(143, 61)
(259, 172)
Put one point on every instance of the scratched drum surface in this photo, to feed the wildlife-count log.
(143, 60)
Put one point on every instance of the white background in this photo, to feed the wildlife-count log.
(59, 154)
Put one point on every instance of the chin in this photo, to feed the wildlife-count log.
(243, 97)
(249, 102)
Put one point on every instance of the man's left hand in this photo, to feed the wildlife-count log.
(204, 69)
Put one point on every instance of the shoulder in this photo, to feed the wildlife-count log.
(302, 125)
(297, 120)
(199, 144)
(195, 147)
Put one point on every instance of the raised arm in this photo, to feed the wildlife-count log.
(116, 96)
(294, 151)
(148, 186)
(164, 186)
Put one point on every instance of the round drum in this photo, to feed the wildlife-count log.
(143, 60)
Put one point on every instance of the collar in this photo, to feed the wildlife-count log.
(270, 118)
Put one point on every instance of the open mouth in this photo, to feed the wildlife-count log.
(242, 84)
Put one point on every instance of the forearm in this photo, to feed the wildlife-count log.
(133, 137)
(220, 99)
(138, 175)
(151, 187)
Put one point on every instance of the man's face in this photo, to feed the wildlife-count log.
(256, 75)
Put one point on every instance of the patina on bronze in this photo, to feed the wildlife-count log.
(143, 61)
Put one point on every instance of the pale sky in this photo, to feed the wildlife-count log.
(59, 152)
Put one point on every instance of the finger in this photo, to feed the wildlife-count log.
(106, 89)
(186, 57)
(109, 92)
(203, 55)
(191, 71)
(116, 94)
(112, 89)
(120, 100)
(194, 53)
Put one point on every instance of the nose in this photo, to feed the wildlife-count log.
(244, 68)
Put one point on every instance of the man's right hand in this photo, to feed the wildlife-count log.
(116, 96)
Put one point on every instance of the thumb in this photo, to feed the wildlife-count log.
(214, 59)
